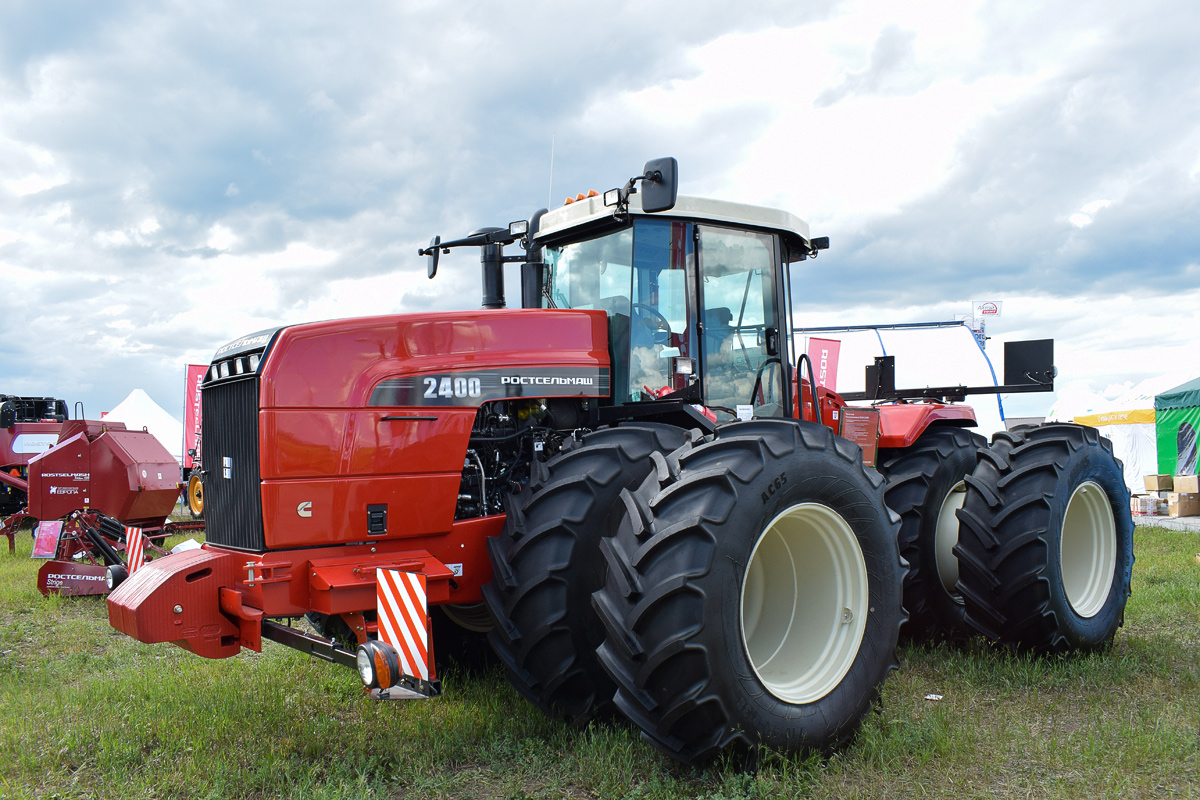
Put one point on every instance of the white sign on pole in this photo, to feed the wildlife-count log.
(986, 308)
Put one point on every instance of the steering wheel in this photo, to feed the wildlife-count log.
(661, 330)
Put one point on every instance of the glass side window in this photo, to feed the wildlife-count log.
(738, 307)
(661, 323)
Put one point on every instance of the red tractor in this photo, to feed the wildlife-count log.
(632, 484)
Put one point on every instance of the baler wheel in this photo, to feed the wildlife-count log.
(195, 497)
(1045, 547)
(925, 486)
(753, 595)
(546, 564)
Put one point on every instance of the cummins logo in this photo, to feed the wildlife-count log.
(304, 509)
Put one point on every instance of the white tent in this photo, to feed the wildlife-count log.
(1070, 403)
(138, 411)
(927, 355)
(1128, 421)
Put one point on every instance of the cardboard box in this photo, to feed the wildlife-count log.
(1189, 484)
(1143, 504)
(1183, 504)
(1156, 483)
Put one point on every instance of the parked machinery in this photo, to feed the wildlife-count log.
(634, 484)
(28, 426)
(98, 480)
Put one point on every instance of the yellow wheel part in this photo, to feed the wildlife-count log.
(195, 496)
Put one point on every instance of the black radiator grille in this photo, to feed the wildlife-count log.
(232, 500)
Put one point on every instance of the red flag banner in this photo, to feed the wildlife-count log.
(824, 355)
(191, 412)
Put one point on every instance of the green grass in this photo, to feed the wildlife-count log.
(89, 713)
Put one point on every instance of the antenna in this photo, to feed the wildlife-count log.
(550, 188)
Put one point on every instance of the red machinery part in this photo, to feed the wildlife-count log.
(178, 600)
(900, 424)
(212, 601)
(124, 474)
(71, 578)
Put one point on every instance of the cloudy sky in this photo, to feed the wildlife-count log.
(176, 174)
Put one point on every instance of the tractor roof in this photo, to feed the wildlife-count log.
(592, 209)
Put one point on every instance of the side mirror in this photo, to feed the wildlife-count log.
(431, 256)
(661, 185)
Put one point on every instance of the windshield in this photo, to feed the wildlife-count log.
(638, 276)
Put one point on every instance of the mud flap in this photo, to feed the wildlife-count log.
(403, 613)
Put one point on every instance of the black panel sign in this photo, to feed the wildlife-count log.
(473, 387)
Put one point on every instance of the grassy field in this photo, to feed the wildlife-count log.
(89, 713)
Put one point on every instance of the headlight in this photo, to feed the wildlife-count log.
(378, 665)
(366, 666)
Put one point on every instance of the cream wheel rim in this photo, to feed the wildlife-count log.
(804, 603)
(946, 536)
(1088, 549)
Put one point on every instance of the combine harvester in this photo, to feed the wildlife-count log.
(634, 485)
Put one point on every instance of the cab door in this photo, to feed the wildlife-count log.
(741, 364)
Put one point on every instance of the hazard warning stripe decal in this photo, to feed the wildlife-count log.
(134, 544)
(404, 619)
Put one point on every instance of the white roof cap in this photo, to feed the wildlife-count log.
(592, 209)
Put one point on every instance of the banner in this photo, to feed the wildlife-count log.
(982, 309)
(824, 355)
(45, 539)
(191, 411)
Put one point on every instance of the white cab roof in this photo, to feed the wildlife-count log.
(592, 209)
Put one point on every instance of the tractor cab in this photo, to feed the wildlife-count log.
(696, 291)
(693, 310)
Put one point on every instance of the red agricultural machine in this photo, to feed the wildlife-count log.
(28, 426)
(96, 482)
(633, 485)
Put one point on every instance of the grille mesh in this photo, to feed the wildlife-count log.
(233, 505)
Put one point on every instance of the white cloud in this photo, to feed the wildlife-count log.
(209, 182)
(1084, 216)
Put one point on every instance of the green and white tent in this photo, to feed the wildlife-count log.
(1177, 423)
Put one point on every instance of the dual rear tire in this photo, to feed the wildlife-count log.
(743, 590)
(724, 593)
(753, 593)
(1045, 547)
(926, 485)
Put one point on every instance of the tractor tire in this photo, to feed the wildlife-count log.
(460, 637)
(753, 596)
(546, 564)
(925, 485)
(195, 496)
(1045, 547)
